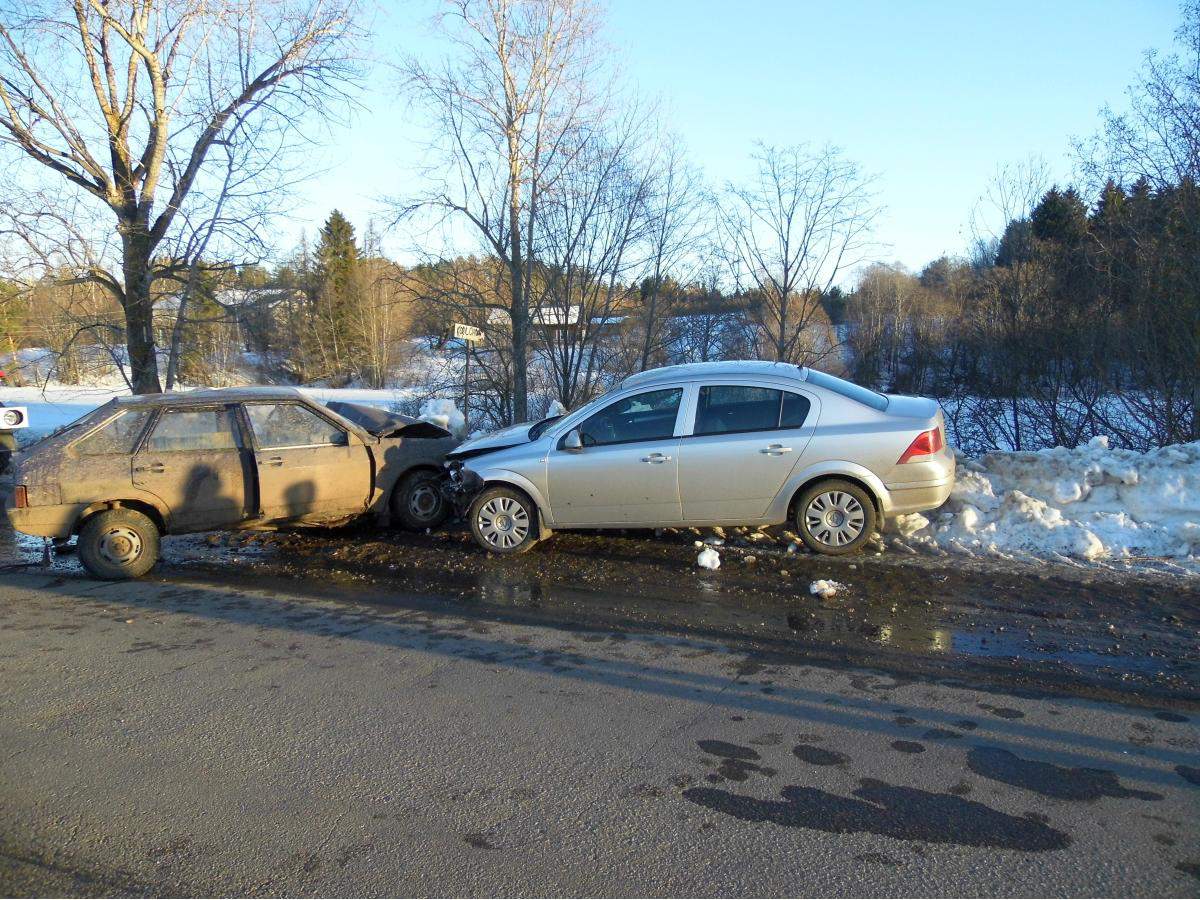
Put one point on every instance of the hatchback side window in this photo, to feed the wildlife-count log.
(281, 425)
(117, 436)
(642, 417)
(194, 429)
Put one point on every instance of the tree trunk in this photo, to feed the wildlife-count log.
(139, 309)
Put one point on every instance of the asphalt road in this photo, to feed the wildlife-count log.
(188, 738)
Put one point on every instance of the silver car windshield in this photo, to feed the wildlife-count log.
(848, 389)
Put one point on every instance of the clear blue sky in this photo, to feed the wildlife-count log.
(930, 96)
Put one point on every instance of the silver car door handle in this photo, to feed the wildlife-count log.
(656, 458)
(271, 461)
(776, 450)
(153, 467)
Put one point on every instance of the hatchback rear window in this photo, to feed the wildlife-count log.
(116, 436)
(847, 389)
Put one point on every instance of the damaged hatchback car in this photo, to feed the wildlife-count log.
(140, 467)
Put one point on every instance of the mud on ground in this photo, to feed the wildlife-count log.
(1041, 627)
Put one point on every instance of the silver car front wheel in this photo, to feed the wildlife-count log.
(503, 521)
(835, 517)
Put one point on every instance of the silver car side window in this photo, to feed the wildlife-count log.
(642, 417)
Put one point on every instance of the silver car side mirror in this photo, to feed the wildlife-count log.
(572, 441)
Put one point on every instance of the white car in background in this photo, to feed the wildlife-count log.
(727, 443)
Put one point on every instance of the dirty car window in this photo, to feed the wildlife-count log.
(279, 425)
(194, 429)
(118, 436)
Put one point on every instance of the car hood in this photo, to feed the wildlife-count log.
(384, 424)
(496, 440)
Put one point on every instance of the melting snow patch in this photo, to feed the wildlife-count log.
(708, 558)
(444, 413)
(825, 589)
(1091, 503)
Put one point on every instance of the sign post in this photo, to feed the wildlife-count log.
(469, 335)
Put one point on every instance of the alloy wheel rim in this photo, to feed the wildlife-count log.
(120, 545)
(835, 518)
(503, 522)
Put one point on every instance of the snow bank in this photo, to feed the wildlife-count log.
(1090, 503)
(444, 413)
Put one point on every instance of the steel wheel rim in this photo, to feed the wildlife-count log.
(835, 518)
(503, 523)
(120, 545)
(423, 502)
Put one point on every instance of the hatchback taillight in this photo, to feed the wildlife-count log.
(924, 444)
(20, 497)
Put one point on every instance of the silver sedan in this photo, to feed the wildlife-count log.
(729, 443)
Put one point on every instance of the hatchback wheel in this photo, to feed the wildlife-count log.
(117, 544)
(418, 502)
(504, 521)
(835, 517)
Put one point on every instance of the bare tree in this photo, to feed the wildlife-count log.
(677, 213)
(124, 100)
(803, 219)
(509, 108)
(594, 220)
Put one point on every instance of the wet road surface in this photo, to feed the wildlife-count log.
(185, 736)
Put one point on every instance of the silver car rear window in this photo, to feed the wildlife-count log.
(847, 389)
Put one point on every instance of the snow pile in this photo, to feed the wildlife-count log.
(555, 409)
(825, 589)
(708, 558)
(1090, 503)
(444, 413)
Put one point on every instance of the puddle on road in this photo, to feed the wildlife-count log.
(908, 629)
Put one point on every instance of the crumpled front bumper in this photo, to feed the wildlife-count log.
(460, 487)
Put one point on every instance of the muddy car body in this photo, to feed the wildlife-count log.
(711, 444)
(140, 467)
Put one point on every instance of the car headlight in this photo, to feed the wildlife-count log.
(11, 418)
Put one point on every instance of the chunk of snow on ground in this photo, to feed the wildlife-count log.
(825, 589)
(708, 558)
(1091, 503)
(911, 523)
(444, 413)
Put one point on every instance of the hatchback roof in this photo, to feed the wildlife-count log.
(689, 371)
(213, 395)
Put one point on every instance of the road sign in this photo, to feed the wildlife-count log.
(468, 333)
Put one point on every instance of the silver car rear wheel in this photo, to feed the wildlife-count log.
(503, 521)
(835, 517)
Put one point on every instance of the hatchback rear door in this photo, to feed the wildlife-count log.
(193, 459)
(744, 443)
